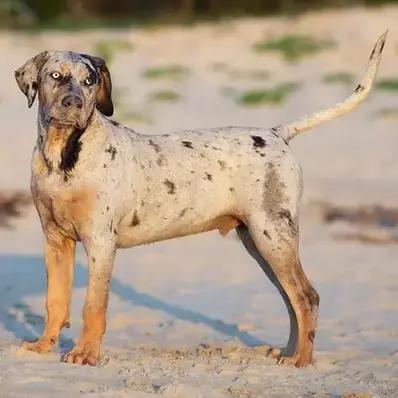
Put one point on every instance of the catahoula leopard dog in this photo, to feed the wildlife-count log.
(107, 186)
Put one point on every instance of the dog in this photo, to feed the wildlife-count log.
(105, 185)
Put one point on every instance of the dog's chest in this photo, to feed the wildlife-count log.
(68, 208)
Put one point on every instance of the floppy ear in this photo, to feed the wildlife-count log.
(104, 91)
(27, 76)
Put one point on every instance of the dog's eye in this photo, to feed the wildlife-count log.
(55, 75)
(89, 81)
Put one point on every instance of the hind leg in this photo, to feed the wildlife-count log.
(275, 246)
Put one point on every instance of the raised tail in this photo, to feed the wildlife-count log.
(290, 130)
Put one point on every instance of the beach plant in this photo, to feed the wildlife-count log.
(108, 49)
(294, 47)
(171, 72)
(165, 95)
(271, 96)
(131, 116)
(388, 112)
(389, 84)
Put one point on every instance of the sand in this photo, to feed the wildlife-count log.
(185, 314)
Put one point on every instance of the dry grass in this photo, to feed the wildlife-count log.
(12, 205)
(372, 224)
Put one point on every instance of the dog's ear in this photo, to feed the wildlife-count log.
(28, 75)
(104, 91)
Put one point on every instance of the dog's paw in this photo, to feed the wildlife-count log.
(82, 355)
(41, 346)
(299, 361)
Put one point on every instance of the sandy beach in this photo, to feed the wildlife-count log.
(194, 317)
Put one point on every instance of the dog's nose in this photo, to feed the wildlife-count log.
(72, 101)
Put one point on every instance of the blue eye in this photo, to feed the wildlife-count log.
(89, 81)
(55, 75)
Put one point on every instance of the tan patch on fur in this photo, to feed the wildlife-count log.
(225, 224)
(64, 68)
(94, 323)
(55, 142)
(74, 206)
(59, 256)
(39, 166)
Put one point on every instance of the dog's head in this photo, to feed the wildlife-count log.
(70, 86)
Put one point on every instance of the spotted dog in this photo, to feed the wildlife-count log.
(100, 183)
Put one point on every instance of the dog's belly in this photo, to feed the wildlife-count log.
(169, 215)
(128, 236)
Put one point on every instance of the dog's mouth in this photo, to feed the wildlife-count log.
(65, 123)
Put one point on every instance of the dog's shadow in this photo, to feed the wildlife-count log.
(22, 276)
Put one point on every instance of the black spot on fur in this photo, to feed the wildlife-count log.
(171, 188)
(93, 259)
(111, 226)
(155, 146)
(274, 132)
(209, 176)
(359, 88)
(311, 336)
(265, 232)
(107, 208)
(40, 140)
(64, 80)
(187, 144)
(182, 212)
(112, 150)
(115, 123)
(70, 152)
(35, 86)
(135, 221)
(288, 216)
(382, 46)
(232, 189)
(313, 297)
(258, 142)
(92, 74)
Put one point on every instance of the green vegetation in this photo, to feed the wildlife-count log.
(271, 96)
(107, 49)
(339, 77)
(294, 47)
(388, 112)
(390, 84)
(134, 117)
(172, 72)
(165, 95)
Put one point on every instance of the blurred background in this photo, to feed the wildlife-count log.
(206, 63)
(40, 13)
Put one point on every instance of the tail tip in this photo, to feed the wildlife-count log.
(378, 48)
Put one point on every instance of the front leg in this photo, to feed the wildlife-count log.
(100, 264)
(59, 257)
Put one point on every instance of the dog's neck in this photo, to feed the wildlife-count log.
(59, 145)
